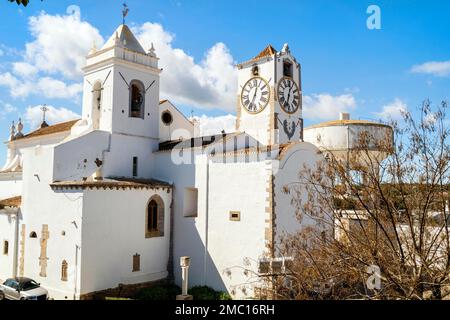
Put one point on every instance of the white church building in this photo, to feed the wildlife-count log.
(118, 196)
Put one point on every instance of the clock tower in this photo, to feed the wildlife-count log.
(269, 106)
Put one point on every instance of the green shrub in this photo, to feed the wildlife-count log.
(163, 292)
(224, 296)
(170, 292)
(207, 293)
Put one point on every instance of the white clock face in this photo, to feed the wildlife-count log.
(255, 95)
(288, 95)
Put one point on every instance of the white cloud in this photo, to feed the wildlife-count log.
(61, 43)
(58, 89)
(24, 69)
(45, 86)
(8, 80)
(436, 68)
(56, 54)
(209, 84)
(215, 125)
(9, 108)
(327, 107)
(393, 111)
(33, 115)
(6, 108)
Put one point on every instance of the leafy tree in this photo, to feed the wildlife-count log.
(21, 2)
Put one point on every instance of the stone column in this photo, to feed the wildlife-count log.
(43, 257)
(184, 263)
(22, 251)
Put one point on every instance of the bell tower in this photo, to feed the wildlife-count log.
(121, 87)
(269, 106)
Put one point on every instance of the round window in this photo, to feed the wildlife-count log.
(167, 118)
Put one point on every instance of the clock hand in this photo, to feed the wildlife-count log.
(289, 97)
(254, 96)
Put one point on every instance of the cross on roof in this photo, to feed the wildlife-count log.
(44, 110)
(125, 12)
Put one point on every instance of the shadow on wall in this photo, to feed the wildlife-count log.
(194, 247)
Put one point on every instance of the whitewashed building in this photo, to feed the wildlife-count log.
(118, 196)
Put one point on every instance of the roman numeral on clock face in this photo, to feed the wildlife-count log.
(255, 95)
(288, 95)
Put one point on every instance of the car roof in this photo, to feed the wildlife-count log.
(21, 279)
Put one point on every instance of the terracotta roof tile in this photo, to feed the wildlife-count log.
(60, 127)
(11, 202)
(267, 52)
(347, 122)
(112, 183)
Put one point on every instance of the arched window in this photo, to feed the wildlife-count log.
(136, 262)
(154, 224)
(33, 235)
(64, 267)
(255, 71)
(96, 104)
(137, 99)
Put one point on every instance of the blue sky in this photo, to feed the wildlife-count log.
(346, 66)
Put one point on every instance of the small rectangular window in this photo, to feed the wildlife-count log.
(190, 208)
(235, 216)
(5, 248)
(135, 166)
(287, 69)
(288, 265)
(136, 263)
(64, 267)
(264, 267)
(277, 266)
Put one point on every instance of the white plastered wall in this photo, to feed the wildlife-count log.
(180, 127)
(8, 232)
(10, 185)
(114, 231)
(61, 212)
(298, 158)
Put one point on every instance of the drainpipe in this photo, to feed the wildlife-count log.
(170, 262)
(76, 272)
(16, 244)
(98, 174)
(206, 222)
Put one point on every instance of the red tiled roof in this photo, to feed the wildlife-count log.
(348, 122)
(112, 183)
(11, 202)
(60, 127)
(267, 52)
